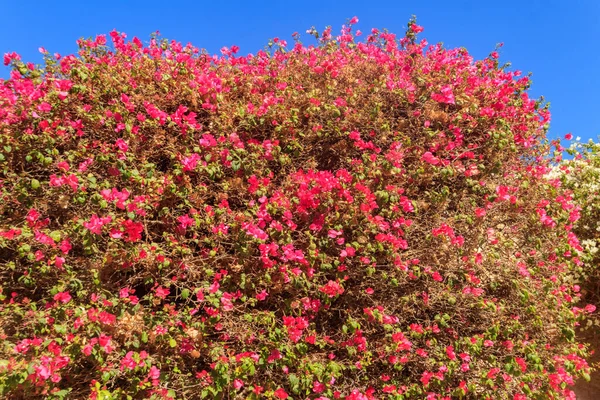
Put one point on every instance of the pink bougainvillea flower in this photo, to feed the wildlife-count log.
(190, 162)
(59, 262)
(45, 107)
(238, 384)
(154, 373)
(63, 166)
(185, 221)
(332, 289)
(262, 295)
(10, 234)
(416, 28)
(43, 238)
(161, 292)
(63, 297)
(430, 158)
(340, 102)
(274, 356)
(115, 233)
(122, 145)
(133, 230)
(492, 373)
(8, 57)
(96, 223)
(445, 95)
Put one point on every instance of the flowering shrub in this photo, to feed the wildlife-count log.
(581, 175)
(353, 219)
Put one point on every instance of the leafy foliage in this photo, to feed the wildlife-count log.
(353, 219)
(581, 175)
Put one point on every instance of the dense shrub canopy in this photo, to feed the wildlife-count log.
(581, 175)
(354, 219)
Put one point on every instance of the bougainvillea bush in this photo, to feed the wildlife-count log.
(581, 174)
(367, 217)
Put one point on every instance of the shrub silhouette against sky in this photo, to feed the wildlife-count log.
(367, 217)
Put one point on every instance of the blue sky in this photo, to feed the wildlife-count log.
(556, 40)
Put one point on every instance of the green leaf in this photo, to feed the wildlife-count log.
(586, 376)
(60, 329)
(61, 394)
(294, 383)
(55, 235)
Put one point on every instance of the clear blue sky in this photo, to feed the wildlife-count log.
(557, 40)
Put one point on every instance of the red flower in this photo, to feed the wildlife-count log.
(445, 96)
(275, 355)
(134, 230)
(430, 158)
(340, 102)
(65, 246)
(493, 372)
(161, 292)
(332, 289)
(121, 145)
(45, 107)
(8, 57)
(450, 353)
(63, 297)
(43, 238)
(416, 28)
(96, 223)
(185, 221)
(521, 363)
(190, 162)
(59, 261)
(262, 295)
